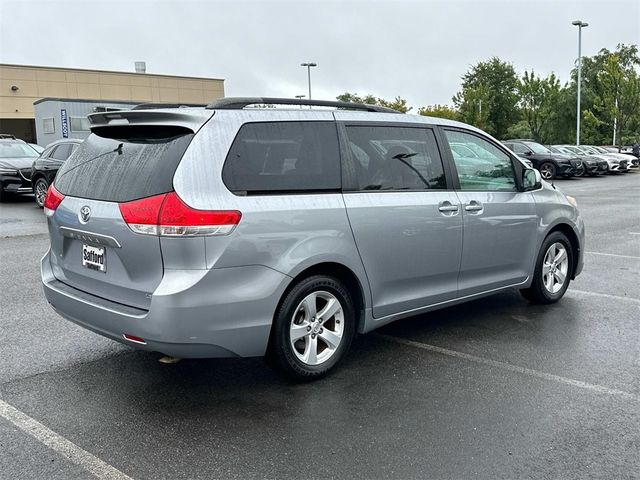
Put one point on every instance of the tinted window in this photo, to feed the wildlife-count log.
(393, 158)
(283, 157)
(138, 163)
(62, 152)
(519, 148)
(489, 169)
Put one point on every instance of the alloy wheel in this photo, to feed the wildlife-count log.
(555, 267)
(317, 328)
(546, 171)
(41, 192)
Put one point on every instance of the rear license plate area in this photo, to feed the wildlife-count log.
(94, 258)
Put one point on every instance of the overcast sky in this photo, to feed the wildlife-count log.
(418, 50)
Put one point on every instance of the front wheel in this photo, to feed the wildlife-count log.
(548, 171)
(40, 191)
(552, 272)
(313, 328)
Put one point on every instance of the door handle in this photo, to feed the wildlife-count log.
(474, 207)
(447, 208)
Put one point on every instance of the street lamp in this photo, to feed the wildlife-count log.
(300, 97)
(309, 65)
(580, 24)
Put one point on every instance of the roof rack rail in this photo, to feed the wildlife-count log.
(238, 103)
(153, 106)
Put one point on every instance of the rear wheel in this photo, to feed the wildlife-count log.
(313, 328)
(547, 171)
(40, 191)
(553, 270)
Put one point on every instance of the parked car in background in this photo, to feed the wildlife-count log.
(16, 158)
(615, 165)
(631, 160)
(549, 164)
(46, 166)
(594, 164)
(37, 148)
(284, 232)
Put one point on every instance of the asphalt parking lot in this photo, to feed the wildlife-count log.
(496, 388)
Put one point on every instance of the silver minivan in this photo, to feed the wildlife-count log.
(239, 231)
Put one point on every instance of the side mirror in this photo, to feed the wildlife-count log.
(529, 153)
(531, 179)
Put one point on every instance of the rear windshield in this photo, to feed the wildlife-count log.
(137, 163)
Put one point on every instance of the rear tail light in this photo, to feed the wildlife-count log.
(52, 200)
(167, 215)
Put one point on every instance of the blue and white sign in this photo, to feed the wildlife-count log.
(65, 124)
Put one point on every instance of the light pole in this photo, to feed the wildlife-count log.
(300, 97)
(309, 65)
(580, 24)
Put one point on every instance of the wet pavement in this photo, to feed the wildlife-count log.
(495, 388)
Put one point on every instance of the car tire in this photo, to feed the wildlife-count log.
(552, 271)
(547, 171)
(41, 183)
(303, 346)
(581, 172)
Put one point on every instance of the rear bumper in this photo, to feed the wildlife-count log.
(193, 313)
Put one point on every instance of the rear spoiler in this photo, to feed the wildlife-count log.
(192, 119)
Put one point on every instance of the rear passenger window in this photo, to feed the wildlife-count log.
(393, 158)
(283, 157)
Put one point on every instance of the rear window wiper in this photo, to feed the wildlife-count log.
(118, 149)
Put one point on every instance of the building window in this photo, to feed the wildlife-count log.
(79, 124)
(48, 126)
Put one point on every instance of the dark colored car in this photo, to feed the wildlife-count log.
(593, 165)
(47, 165)
(16, 157)
(550, 165)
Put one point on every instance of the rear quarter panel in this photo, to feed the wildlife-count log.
(287, 233)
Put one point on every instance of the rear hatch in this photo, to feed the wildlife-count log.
(129, 156)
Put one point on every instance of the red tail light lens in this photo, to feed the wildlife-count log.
(168, 215)
(53, 199)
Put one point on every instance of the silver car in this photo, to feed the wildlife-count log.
(238, 231)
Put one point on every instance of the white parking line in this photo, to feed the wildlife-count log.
(604, 295)
(613, 255)
(512, 368)
(634, 233)
(58, 443)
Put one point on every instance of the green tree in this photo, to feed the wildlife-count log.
(620, 92)
(519, 130)
(355, 98)
(489, 96)
(397, 103)
(607, 77)
(538, 98)
(590, 133)
(440, 111)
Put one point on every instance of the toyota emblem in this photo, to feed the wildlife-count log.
(85, 214)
